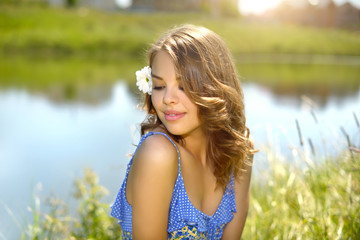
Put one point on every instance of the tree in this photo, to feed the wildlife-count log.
(71, 3)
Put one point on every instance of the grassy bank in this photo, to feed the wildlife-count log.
(320, 201)
(48, 32)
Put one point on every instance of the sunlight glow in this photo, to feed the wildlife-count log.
(124, 3)
(314, 2)
(256, 6)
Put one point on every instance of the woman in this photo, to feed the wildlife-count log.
(190, 174)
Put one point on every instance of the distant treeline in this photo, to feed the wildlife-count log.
(67, 3)
(324, 14)
(228, 8)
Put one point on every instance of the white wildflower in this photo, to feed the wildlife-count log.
(144, 81)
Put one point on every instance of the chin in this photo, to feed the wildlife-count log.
(180, 131)
(175, 131)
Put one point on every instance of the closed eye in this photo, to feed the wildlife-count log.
(158, 87)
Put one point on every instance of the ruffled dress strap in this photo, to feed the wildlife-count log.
(121, 209)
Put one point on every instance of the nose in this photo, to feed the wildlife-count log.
(170, 96)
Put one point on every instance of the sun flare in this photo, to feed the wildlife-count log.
(256, 6)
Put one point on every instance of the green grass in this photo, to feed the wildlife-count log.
(91, 222)
(321, 201)
(316, 201)
(85, 32)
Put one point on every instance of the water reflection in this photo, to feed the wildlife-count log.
(319, 82)
(272, 121)
(89, 81)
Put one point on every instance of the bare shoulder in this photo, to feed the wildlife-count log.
(156, 148)
(155, 163)
(156, 155)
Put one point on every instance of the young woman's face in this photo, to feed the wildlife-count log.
(174, 108)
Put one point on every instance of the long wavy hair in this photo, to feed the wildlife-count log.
(209, 78)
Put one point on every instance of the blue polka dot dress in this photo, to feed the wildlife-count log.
(185, 221)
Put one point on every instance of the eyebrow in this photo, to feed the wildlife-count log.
(155, 76)
(160, 78)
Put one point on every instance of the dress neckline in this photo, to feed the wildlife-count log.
(198, 210)
(183, 183)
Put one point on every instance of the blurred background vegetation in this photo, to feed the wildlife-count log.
(62, 49)
(62, 34)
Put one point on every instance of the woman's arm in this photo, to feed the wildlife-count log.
(150, 187)
(234, 229)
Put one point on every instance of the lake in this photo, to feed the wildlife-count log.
(49, 135)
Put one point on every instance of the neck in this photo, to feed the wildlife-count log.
(196, 144)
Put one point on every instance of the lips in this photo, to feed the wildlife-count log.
(173, 115)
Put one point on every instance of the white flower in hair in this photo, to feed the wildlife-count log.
(143, 80)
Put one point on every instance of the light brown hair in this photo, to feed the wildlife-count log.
(209, 78)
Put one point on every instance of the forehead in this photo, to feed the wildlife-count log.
(163, 65)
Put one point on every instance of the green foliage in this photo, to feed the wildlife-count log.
(54, 224)
(71, 3)
(24, 2)
(321, 201)
(93, 221)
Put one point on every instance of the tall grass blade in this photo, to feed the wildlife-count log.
(11, 214)
(299, 132)
(354, 149)
(314, 116)
(312, 147)
(356, 120)
(309, 101)
(348, 140)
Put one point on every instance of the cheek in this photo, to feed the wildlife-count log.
(156, 101)
(190, 105)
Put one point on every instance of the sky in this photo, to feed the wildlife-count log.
(256, 6)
